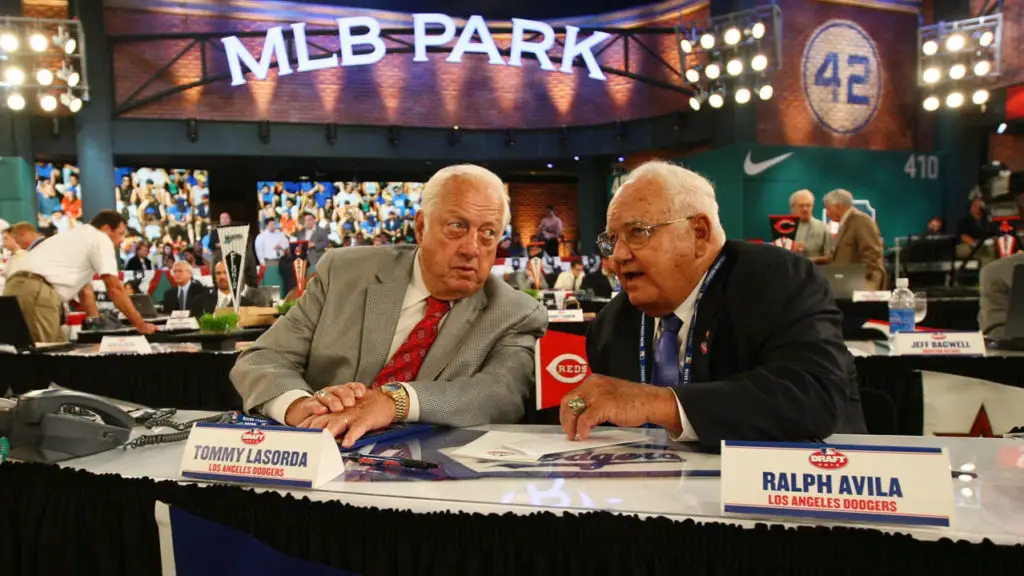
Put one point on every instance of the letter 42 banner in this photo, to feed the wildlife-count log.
(561, 364)
(194, 546)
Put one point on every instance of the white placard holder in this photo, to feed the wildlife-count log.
(186, 323)
(871, 295)
(264, 456)
(907, 485)
(571, 315)
(939, 344)
(175, 314)
(125, 345)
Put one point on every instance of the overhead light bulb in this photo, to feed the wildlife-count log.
(65, 98)
(766, 92)
(982, 68)
(707, 41)
(1001, 128)
(73, 79)
(14, 76)
(980, 96)
(955, 100)
(931, 103)
(957, 71)
(70, 46)
(956, 42)
(8, 42)
(38, 42)
(686, 46)
(692, 76)
(732, 36)
(734, 67)
(695, 103)
(48, 102)
(15, 101)
(44, 76)
(716, 100)
(759, 62)
(757, 30)
(986, 39)
(713, 71)
(742, 95)
(931, 75)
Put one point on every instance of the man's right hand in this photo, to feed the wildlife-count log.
(798, 247)
(146, 328)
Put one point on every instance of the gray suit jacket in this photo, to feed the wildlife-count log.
(816, 238)
(319, 242)
(995, 282)
(480, 370)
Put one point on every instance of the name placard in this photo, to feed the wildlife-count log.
(939, 344)
(186, 323)
(180, 314)
(871, 295)
(125, 345)
(908, 485)
(266, 456)
(572, 315)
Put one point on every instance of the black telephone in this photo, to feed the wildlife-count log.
(43, 427)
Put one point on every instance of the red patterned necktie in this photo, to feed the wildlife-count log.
(406, 362)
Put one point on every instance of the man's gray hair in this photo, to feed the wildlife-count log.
(693, 192)
(793, 197)
(438, 185)
(840, 197)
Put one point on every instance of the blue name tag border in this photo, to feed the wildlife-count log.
(941, 521)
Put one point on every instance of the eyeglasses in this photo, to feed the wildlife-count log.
(636, 236)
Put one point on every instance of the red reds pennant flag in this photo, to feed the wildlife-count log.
(783, 230)
(1006, 242)
(561, 364)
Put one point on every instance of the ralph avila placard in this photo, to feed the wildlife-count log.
(880, 484)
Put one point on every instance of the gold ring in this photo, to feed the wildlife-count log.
(320, 393)
(577, 406)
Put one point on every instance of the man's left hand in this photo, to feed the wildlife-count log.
(372, 412)
(618, 402)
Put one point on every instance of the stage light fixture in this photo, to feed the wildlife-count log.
(695, 103)
(766, 91)
(712, 71)
(716, 100)
(955, 100)
(742, 95)
(986, 38)
(510, 137)
(931, 75)
(707, 41)
(74, 79)
(686, 46)
(65, 98)
(264, 131)
(191, 127)
(550, 165)
(930, 48)
(931, 103)
(757, 30)
(1001, 128)
(734, 67)
(331, 133)
(14, 76)
(48, 102)
(576, 158)
(563, 135)
(454, 136)
(8, 41)
(44, 77)
(759, 62)
(732, 36)
(15, 101)
(957, 71)
(980, 96)
(956, 42)
(692, 76)
(982, 67)
(63, 40)
(38, 42)
(394, 135)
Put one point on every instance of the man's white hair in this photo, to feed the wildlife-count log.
(838, 196)
(793, 197)
(183, 264)
(693, 192)
(437, 186)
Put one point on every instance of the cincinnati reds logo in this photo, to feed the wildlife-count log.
(785, 226)
(253, 437)
(568, 368)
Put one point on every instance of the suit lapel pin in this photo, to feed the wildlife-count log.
(704, 344)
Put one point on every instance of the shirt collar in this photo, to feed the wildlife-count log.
(846, 216)
(417, 291)
(685, 310)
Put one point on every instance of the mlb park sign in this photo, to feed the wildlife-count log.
(429, 30)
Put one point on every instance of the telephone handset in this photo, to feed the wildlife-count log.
(40, 431)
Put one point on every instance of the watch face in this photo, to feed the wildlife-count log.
(391, 387)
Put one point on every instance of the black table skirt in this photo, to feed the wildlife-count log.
(59, 521)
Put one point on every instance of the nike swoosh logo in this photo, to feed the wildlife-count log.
(752, 168)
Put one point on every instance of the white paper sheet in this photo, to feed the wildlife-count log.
(523, 447)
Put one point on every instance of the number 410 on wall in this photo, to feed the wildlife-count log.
(922, 167)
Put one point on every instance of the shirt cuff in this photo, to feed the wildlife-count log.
(414, 403)
(277, 408)
(688, 434)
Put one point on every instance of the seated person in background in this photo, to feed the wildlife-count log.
(812, 236)
(973, 228)
(392, 334)
(184, 293)
(764, 334)
(140, 261)
(604, 281)
(222, 297)
(936, 227)
(996, 280)
(858, 240)
(571, 279)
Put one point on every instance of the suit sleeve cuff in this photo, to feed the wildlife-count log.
(688, 434)
(277, 408)
(414, 403)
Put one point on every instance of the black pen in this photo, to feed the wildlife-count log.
(389, 462)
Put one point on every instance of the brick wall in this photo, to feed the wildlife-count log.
(528, 200)
(1008, 149)
(787, 119)
(56, 9)
(397, 91)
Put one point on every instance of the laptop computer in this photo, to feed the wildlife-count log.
(1013, 330)
(845, 279)
(14, 330)
(144, 304)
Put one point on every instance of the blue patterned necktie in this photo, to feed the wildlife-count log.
(181, 298)
(666, 353)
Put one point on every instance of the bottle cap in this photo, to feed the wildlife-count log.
(903, 282)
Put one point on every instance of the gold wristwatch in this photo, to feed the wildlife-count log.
(398, 394)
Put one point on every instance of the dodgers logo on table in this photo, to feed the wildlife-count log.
(828, 459)
(842, 76)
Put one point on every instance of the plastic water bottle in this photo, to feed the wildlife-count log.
(901, 308)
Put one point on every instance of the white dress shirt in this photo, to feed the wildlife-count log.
(685, 313)
(68, 261)
(414, 308)
(566, 281)
(270, 245)
(225, 300)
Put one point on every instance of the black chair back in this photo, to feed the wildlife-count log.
(879, 412)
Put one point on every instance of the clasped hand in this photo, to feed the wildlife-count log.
(348, 409)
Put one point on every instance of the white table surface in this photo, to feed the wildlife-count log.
(990, 506)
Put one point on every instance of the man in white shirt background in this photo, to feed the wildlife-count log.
(571, 279)
(271, 244)
(57, 270)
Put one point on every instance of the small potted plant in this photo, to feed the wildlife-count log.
(219, 331)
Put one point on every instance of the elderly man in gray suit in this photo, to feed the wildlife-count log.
(812, 236)
(393, 334)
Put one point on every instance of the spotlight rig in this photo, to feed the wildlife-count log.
(732, 53)
(42, 61)
(958, 61)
